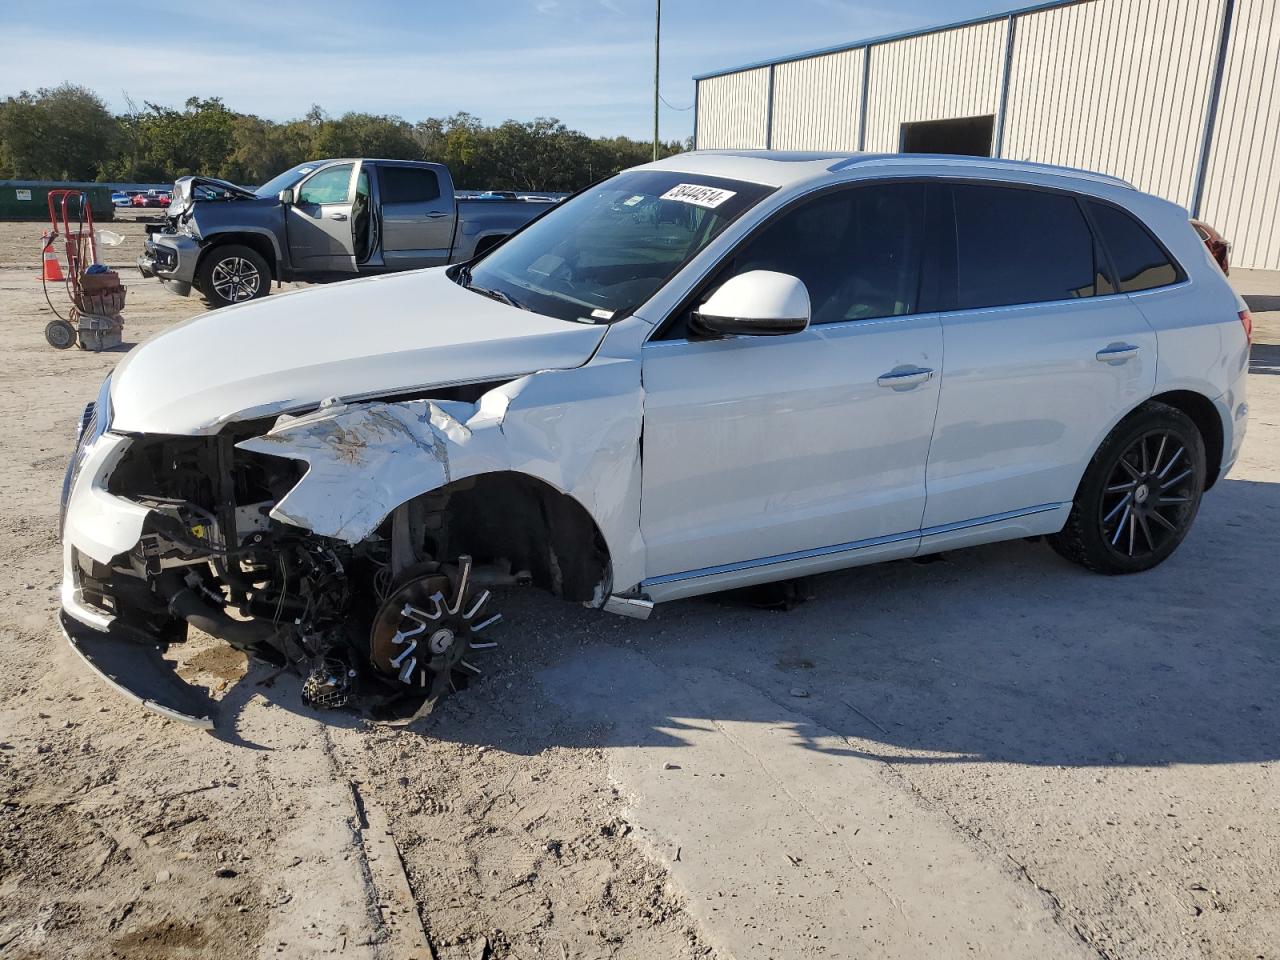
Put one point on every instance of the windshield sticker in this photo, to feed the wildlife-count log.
(699, 196)
(632, 201)
(602, 314)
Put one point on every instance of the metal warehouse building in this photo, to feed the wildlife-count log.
(1179, 97)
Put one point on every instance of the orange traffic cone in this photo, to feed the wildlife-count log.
(52, 268)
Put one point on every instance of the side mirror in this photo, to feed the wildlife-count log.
(286, 196)
(759, 303)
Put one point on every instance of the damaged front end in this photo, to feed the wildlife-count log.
(356, 545)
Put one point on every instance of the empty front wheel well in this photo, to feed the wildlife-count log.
(1205, 416)
(514, 518)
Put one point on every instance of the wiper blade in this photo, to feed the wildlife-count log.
(500, 295)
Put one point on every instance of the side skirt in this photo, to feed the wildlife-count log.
(1028, 521)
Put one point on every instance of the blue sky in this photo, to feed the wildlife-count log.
(588, 62)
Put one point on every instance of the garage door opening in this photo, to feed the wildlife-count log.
(967, 136)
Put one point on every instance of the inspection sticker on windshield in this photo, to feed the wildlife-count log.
(698, 195)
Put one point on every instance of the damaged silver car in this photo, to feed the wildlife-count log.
(708, 372)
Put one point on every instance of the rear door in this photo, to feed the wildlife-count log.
(319, 221)
(417, 216)
(1043, 355)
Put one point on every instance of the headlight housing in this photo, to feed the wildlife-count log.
(94, 422)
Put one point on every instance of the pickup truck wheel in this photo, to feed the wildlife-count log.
(233, 274)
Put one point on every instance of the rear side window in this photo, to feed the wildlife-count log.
(1022, 246)
(408, 185)
(1140, 262)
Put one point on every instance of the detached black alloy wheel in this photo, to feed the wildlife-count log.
(233, 274)
(1139, 495)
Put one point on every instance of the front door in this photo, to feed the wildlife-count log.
(756, 448)
(1043, 355)
(319, 221)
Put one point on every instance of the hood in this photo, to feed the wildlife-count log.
(184, 189)
(360, 339)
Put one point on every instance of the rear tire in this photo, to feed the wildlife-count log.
(233, 274)
(1139, 496)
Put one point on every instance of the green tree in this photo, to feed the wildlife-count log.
(64, 133)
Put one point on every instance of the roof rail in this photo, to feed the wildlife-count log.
(947, 159)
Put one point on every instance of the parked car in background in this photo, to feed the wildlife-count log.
(120, 198)
(348, 470)
(1219, 246)
(151, 198)
(322, 220)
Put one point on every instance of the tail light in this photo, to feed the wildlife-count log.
(1246, 321)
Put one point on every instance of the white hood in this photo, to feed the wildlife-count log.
(362, 338)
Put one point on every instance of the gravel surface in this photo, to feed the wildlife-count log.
(991, 753)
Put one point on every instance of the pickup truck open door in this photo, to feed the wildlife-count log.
(319, 223)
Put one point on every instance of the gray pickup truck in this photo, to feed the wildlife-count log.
(321, 220)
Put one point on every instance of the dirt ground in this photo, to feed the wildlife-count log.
(992, 753)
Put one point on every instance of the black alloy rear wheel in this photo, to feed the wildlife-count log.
(1139, 495)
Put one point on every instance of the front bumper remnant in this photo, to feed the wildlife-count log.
(133, 665)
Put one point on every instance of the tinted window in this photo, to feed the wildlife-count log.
(331, 185)
(408, 185)
(858, 251)
(1022, 246)
(1140, 261)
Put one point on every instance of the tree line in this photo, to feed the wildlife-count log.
(68, 133)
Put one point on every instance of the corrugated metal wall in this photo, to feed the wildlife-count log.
(733, 111)
(1121, 87)
(939, 76)
(1242, 182)
(817, 102)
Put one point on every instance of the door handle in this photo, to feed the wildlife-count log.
(436, 216)
(900, 378)
(1117, 353)
(337, 216)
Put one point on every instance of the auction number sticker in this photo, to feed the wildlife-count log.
(699, 196)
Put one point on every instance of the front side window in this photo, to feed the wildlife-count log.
(1022, 246)
(858, 251)
(1141, 263)
(607, 250)
(331, 185)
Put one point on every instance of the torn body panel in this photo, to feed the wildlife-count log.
(364, 460)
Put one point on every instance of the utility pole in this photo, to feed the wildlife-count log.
(657, 50)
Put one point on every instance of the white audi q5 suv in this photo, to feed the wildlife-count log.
(716, 370)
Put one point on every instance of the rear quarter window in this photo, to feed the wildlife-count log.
(1141, 262)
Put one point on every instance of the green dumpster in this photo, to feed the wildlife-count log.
(29, 199)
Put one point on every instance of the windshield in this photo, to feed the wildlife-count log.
(606, 251)
(286, 179)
